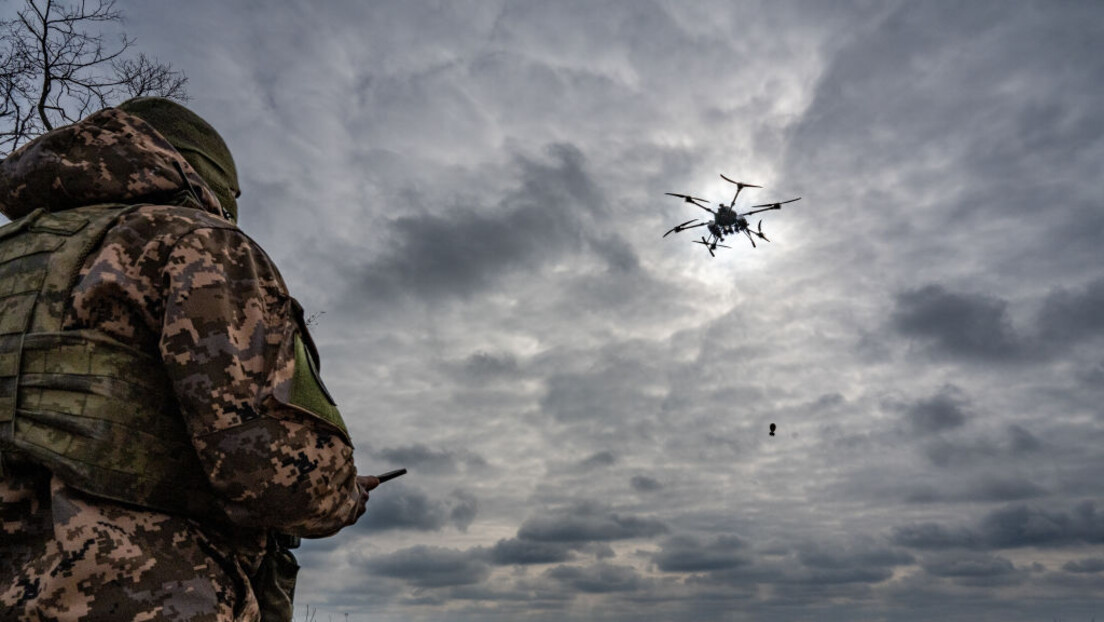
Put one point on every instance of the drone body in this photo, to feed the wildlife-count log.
(726, 221)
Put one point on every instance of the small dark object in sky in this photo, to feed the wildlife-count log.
(726, 221)
(772, 429)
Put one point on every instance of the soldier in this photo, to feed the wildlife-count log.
(164, 434)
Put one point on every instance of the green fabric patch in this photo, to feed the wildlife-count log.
(308, 392)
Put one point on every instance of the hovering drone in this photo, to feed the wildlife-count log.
(726, 221)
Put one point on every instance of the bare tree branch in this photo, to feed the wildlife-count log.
(54, 70)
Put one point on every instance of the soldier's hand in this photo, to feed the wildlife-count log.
(364, 484)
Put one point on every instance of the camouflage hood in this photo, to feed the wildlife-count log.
(109, 157)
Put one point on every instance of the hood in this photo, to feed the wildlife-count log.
(109, 157)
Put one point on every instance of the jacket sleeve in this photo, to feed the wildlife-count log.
(229, 340)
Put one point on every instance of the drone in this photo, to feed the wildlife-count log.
(726, 221)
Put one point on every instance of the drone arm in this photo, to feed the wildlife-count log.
(765, 209)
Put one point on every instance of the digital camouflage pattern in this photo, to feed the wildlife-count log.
(189, 288)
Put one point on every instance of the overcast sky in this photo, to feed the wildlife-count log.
(471, 197)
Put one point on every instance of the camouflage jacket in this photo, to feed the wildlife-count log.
(178, 282)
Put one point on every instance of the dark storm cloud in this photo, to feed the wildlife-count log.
(986, 117)
(459, 251)
(1012, 526)
(934, 536)
(600, 459)
(598, 579)
(617, 253)
(588, 522)
(431, 566)
(973, 326)
(485, 365)
(643, 483)
(610, 391)
(1088, 565)
(691, 554)
(862, 554)
(840, 576)
(463, 510)
(969, 567)
(397, 506)
(975, 489)
(997, 489)
(954, 451)
(1023, 525)
(524, 552)
(1023, 441)
(944, 411)
(424, 459)
(1072, 316)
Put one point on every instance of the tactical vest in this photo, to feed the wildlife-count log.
(98, 413)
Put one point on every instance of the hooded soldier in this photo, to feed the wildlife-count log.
(164, 435)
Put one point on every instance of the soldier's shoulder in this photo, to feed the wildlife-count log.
(174, 220)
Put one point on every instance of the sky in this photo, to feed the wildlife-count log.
(469, 197)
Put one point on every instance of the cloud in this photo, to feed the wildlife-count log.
(398, 506)
(1068, 317)
(944, 411)
(1011, 526)
(1088, 565)
(1023, 441)
(643, 483)
(431, 566)
(975, 489)
(598, 579)
(931, 535)
(461, 250)
(859, 554)
(615, 388)
(1023, 525)
(597, 460)
(526, 552)
(1002, 489)
(422, 458)
(953, 451)
(463, 510)
(485, 366)
(965, 325)
(690, 554)
(968, 565)
(587, 522)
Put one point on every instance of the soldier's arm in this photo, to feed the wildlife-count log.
(273, 445)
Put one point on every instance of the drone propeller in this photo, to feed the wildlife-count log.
(760, 232)
(687, 198)
(739, 186)
(750, 239)
(709, 247)
(678, 228)
(693, 200)
(739, 183)
(777, 205)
